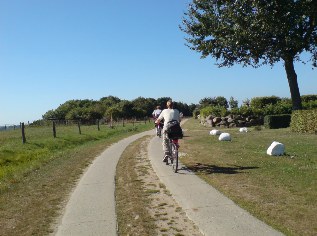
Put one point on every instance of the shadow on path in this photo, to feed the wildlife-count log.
(214, 169)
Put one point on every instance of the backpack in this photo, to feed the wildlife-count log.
(174, 130)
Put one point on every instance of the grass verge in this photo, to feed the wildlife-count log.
(131, 201)
(281, 191)
(143, 204)
(37, 177)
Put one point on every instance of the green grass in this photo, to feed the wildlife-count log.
(37, 177)
(282, 191)
(131, 196)
(16, 159)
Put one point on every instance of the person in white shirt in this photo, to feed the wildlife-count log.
(156, 112)
(167, 115)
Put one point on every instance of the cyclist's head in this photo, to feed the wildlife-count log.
(169, 104)
(158, 107)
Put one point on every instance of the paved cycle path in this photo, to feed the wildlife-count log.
(210, 210)
(91, 207)
(90, 210)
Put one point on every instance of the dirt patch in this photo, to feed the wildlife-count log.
(161, 210)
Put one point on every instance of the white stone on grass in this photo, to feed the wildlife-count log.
(276, 149)
(225, 137)
(215, 132)
(243, 129)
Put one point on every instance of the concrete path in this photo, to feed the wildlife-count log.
(211, 211)
(91, 207)
(90, 210)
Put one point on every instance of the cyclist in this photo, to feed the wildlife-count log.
(167, 115)
(156, 113)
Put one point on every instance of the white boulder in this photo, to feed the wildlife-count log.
(215, 132)
(276, 149)
(243, 129)
(225, 137)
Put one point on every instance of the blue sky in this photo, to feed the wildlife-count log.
(55, 51)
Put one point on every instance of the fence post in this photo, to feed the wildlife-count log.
(123, 122)
(23, 133)
(54, 129)
(79, 127)
(98, 126)
(111, 121)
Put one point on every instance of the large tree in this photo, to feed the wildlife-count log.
(255, 33)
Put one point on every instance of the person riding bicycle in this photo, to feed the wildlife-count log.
(167, 115)
(156, 113)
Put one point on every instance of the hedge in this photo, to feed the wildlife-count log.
(304, 121)
(277, 121)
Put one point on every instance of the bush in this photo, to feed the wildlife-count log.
(246, 111)
(213, 110)
(308, 98)
(283, 107)
(261, 102)
(309, 105)
(235, 111)
(196, 112)
(277, 121)
(304, 121)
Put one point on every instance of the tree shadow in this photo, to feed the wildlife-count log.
(214, 169)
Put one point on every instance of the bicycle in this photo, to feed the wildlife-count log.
(159, 128)
(173, 154)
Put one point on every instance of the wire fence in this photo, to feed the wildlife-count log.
(113, 123)
(9, 127)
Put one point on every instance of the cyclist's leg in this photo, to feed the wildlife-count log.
(166, 145)
(175, 155)
(159, 130)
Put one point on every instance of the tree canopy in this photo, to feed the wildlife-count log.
(111, 107)
(216, 101)
(255, 33)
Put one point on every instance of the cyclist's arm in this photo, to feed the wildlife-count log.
(159, 118)
(179, 116)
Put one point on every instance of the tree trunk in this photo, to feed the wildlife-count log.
(292, 82)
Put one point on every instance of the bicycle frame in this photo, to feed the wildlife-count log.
(159, 128)
(173, 153)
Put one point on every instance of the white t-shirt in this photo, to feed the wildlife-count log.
(169, 115)
(156, 112)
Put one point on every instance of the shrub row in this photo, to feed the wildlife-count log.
(262, 102)
(277, 121)
(304, 121)
(281, 107)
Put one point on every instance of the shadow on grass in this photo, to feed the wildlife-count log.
(213, 169)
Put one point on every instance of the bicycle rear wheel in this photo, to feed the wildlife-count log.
(175, 157)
